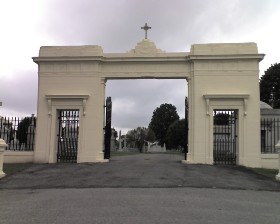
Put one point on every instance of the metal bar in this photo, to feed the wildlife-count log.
(224, 139)
(68, 136)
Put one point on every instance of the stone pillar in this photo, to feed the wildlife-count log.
(120, 144)
(124, 144)
(101, 122)
(277, 146)
(190, 154)
(3, 145)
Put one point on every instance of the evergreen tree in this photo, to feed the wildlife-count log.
(176, 134)
(270, 86)
(162, 118)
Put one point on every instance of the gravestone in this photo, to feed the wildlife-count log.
(155, 147)
(14, 144)
(124, 144)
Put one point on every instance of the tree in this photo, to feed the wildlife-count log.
(22, 130)
(138, 137)
(151, 136)
(162, 118)
(270, 86)
(176, 134)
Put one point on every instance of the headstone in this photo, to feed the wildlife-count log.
(113, 140)
(155, 147)
(14, 145)
(3, 145)
(124, 145)
(120, 144)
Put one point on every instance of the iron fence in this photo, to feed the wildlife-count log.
(18, 133)
(225, 136)
(270, 134)
(68, 132)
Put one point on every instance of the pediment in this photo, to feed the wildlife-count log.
(145, 48)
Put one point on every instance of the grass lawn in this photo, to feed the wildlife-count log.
(124, 153)
(266, 172)
(12, 168)
(136, 153)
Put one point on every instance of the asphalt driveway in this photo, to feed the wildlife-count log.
(138, 171)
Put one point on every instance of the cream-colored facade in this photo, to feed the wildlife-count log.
(220, 76)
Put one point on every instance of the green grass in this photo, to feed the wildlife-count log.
(12, 168)
(137, 153)
(266, 172)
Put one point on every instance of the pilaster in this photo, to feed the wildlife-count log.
(3, 145)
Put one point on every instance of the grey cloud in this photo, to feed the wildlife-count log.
(20, 93)
(116, 26)
(135, 100)
(176, 24)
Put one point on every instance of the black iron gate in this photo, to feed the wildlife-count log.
(186, 126)
(225, 136)
(68, 132)
(107, 128)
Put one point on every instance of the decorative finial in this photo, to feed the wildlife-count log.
(146, 28)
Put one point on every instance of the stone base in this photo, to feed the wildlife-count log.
(2, 174)
(102, 161)
(189, 162)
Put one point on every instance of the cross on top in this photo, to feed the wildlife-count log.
(146, 28)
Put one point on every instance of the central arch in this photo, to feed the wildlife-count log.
(220, 76)
(133, 109)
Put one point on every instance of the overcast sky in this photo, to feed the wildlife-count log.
(115, 25)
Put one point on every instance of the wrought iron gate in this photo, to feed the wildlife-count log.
(107, 128)
(67, 138)
(187, 126)
(225, 136)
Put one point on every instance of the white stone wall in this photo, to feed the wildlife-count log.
(221, 76)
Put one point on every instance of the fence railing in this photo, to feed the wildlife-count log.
(19, 134)
(270, 134)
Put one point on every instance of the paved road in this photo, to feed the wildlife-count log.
(138, 171)
(138, 189)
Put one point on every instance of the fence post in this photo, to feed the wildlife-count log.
(277, 146)
(3, 145)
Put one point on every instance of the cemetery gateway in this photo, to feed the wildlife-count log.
(220, 77)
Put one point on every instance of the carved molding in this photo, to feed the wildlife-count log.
(84, 106)
(147, 75)
(145, 48)
(209, 97)
(50, 98)
(49, 107)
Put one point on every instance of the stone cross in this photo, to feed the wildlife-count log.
(146, 28)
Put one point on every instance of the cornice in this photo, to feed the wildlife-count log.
(259, 57)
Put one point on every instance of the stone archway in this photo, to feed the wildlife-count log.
(220, 76)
